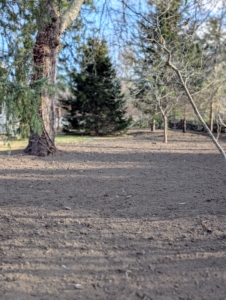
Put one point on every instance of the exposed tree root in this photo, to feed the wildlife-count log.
(40, 145)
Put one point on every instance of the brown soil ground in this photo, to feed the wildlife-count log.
(124, 218)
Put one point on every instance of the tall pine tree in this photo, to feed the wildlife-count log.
(96, 105)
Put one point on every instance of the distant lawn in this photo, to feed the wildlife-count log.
(12, 145)
(60, 139)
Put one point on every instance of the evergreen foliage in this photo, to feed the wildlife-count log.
(20, 91)
(20, 100)
(97, 105)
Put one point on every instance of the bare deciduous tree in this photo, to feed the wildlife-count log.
(189, 66)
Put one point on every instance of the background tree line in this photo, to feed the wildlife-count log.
(149, 43)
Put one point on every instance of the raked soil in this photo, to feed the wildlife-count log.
(115, 219)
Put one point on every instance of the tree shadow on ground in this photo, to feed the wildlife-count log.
(127, 225)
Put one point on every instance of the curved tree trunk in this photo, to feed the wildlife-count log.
(45, 61)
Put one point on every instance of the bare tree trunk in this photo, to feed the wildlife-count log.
(165, 129)
(153, 126)
(218, 120)
(58, 118)
(165, 124)
(184, 121)
(218, 131)
(184, 125)
(211, 115)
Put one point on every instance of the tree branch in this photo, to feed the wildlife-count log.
(173, 67)
(70, 14)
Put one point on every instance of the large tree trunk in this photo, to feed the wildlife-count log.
(45, 62)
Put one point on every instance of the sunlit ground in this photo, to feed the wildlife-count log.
(114, 219)
(21, 144)
(61, 138)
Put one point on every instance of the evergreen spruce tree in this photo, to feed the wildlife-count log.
(97, 105)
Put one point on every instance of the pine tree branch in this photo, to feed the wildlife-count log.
(70, 14)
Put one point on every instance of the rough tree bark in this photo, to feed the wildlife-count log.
(45, 54)
(45, 61)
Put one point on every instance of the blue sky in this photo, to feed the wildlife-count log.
(108, 22)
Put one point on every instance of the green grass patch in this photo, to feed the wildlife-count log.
(12, 145)
(61, 138)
